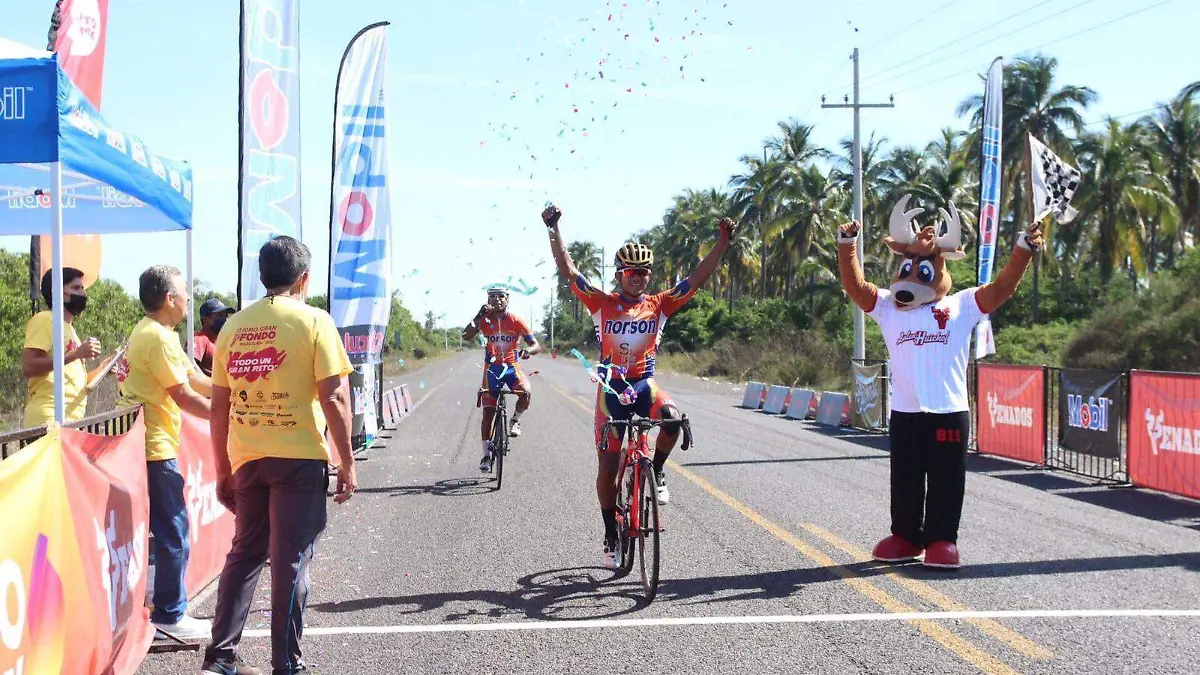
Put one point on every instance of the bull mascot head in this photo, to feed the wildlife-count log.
(922, 277)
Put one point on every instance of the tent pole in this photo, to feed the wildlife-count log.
(190, 339)
(56, 234)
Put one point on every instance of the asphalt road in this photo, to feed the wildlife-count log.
(765, 559)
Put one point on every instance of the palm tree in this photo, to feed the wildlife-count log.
(755, 200)
(1174, 134)
(1118, 190)
(1032, 105)
(586, 256)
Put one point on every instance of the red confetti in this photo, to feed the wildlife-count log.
(627, 36)
(610, 17)
(576, 109)
(628, 89)
(567, 85)
(656, 39)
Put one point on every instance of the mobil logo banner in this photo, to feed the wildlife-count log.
(1091, 407)
(360, 231)
(1012, 413)
(1164, 432)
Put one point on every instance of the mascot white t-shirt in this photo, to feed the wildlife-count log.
(929, 349)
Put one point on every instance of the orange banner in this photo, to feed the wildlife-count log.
(211, 524)
(1012, 411)
(41, 570)
(1164, 432)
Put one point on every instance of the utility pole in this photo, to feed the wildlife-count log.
(860, 347)
(603, 267)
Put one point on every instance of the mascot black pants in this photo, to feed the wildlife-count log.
(929, 474)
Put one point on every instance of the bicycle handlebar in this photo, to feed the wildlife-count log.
(645, 424)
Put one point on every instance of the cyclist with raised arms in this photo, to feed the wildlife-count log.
(503, 332)
(629, 326)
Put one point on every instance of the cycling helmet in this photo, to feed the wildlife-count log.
(634, 255)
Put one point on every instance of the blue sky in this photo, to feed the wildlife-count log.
(483, 100)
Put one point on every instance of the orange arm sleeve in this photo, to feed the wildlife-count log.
(992, 295)
(862, 292)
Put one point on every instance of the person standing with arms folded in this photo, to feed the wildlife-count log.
(157, 373)
(279, 380)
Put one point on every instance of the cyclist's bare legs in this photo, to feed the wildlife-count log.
(668, 436)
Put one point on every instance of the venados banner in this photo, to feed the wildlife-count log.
(269, 130)
(73, 567)
(1012, 411)
(1164, 432)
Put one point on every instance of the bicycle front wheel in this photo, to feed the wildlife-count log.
(648, 546)
(499, 445)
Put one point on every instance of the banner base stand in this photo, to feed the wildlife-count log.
(172, 643)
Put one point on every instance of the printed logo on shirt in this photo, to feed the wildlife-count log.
(634, 327)
(942, 316)
(923, 337)
(72, 345)
(121, 369)
(1168, 438)
(250, 366)
(254, 335)
(1008, 415)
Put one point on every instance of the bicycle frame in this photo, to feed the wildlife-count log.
(637, 448)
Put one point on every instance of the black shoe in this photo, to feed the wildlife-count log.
(223, 667)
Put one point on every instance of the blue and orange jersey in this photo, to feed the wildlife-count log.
(629, 330)
(503, 336)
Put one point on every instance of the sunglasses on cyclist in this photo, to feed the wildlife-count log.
(635, 272)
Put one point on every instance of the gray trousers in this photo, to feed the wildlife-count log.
(279, 512)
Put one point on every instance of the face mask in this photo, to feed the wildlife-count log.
(217, 324)
(75, 304)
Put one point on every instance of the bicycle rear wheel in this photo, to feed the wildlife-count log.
(499, 443)
(648, 547)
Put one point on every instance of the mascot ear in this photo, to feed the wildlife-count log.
(898, 248)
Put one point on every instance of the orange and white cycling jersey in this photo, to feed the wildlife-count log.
(503, 337)
(629, 331)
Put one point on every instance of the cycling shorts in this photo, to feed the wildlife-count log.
(497, 375)
(651, 399)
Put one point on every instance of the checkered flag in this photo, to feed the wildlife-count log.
(1054, 183)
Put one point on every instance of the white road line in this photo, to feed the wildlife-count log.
(728, 620)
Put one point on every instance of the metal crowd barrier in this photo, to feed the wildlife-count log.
(112, 423)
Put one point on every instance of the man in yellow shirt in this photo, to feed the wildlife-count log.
(158, 374)
(279, 381)
(37, 361)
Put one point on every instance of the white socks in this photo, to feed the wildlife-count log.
(487, 448)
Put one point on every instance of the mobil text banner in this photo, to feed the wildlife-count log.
(360, 206)
(269, 134)
(1091, 407)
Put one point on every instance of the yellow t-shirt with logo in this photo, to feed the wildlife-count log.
(271, 355)
(153, 363)
(39, 334)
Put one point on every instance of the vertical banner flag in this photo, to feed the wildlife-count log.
(78, 34)
(989, 198)
(269, 134)
(867, 411)
(360, 215)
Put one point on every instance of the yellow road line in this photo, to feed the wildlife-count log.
(925, 591)
(966, 650)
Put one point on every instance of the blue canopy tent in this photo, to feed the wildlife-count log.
(65, 170)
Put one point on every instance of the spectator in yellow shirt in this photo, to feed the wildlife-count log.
(279, 380)
(37, 361)
(159, 375)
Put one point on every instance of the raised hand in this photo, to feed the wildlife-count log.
(848, 232)
(728, 227)
(551, 215)
(1031, 238)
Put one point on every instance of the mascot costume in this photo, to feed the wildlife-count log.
(928, 336)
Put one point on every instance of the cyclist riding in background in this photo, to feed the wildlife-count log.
(629, 326)
(503, 332)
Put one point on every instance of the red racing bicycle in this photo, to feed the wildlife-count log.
(638, 520)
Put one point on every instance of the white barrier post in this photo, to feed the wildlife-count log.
(800, 404)
(777, 398)
(754, 395)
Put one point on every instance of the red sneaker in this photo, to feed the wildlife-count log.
(942, 555)
(895, 549)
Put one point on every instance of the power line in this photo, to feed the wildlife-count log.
(982, 44)
(896, 33)
(969, 36)
(1041, 46)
